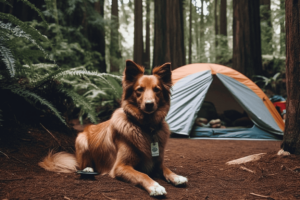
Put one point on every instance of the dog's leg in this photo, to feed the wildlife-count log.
(127, 173)
(172, 177)
(82, 153)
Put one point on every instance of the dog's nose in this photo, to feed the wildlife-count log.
(149, 104)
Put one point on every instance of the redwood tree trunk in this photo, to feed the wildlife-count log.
(190, 33)
(97, 36)
(291, 138)
(216, 23)
(146, 58)
(168, 37)
(223, 18)
(246, 37)
(138, 32)
(267, 32)
(115, 53)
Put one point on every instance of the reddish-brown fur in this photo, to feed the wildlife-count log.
(121, 145)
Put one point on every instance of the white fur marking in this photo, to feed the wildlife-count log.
(157, 190)
(88, 169)
(179, 180)
(82, 140)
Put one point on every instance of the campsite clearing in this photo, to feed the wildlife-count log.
(202, 161)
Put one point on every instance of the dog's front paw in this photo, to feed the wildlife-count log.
(157, 190)
(180, 180)
(88, 169)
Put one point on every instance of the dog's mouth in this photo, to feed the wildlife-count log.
(148, 111)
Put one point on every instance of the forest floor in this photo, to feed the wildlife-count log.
(201, 161)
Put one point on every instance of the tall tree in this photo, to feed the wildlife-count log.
(291, 138)
(138, 48)
(96, 35)
(201, 42)
(146, 57)
(282, 30)
(169, 33)
(246, 37)
(114, 50)
(223, 23)
(216, 23)
(190, 33)
(266, 27)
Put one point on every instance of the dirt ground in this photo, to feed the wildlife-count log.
(201, 161)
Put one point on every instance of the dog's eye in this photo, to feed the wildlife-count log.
(140, 89)
(156, 89)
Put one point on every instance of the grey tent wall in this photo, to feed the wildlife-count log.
(187, 96)
(252, 104)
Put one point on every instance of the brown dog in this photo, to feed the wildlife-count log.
(131, 144)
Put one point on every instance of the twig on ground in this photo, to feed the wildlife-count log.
(107, 197)
(16, 179)
(51, 135)
(19, 160)
(65, 197)
(4, 154)
(262, 196)
(246, 169)
(246, 159)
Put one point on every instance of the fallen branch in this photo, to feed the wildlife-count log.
(248, 170)
(4, 154)
(262, 196)
(246, 159)
(51, 135)
(107, 197)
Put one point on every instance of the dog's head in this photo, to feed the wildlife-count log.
(146, 94)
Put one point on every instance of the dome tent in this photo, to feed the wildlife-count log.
(194, 83)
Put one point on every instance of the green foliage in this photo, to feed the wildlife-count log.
(272, 81)
(75, 87)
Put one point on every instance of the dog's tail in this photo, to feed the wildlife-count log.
(59, 162)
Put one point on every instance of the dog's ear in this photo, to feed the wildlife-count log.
(164, 73)
(132, 70)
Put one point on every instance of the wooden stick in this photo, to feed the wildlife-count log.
(107, 197)
(246, 159)
(248, 170)
(4, 154)
(262, 196)
(51, 135)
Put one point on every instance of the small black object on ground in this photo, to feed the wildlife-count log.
(87, 175)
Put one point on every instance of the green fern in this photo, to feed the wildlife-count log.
(28, 94)
(5, 2)
(80, 101)
(7, 58)
(7, 29)
(26, 28)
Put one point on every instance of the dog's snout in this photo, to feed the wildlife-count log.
(149, 104)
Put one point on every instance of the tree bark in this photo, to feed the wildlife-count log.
(115, 53)
(216, 23)
(201, 41)
(138, 32)
(190, 34)
(147, 50)
(97, 36)
(291, 138)
(282, 30)
(223, 18)
(246, 37)
(169, 35)
(267, 31)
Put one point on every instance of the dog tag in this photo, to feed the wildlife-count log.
(154, 149)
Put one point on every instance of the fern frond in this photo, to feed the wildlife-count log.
(26, 28)
(7, 58)
(34, 8)
(28, 94)
(90, 73)
(18, 32)
(5, 2)
(82, 103)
